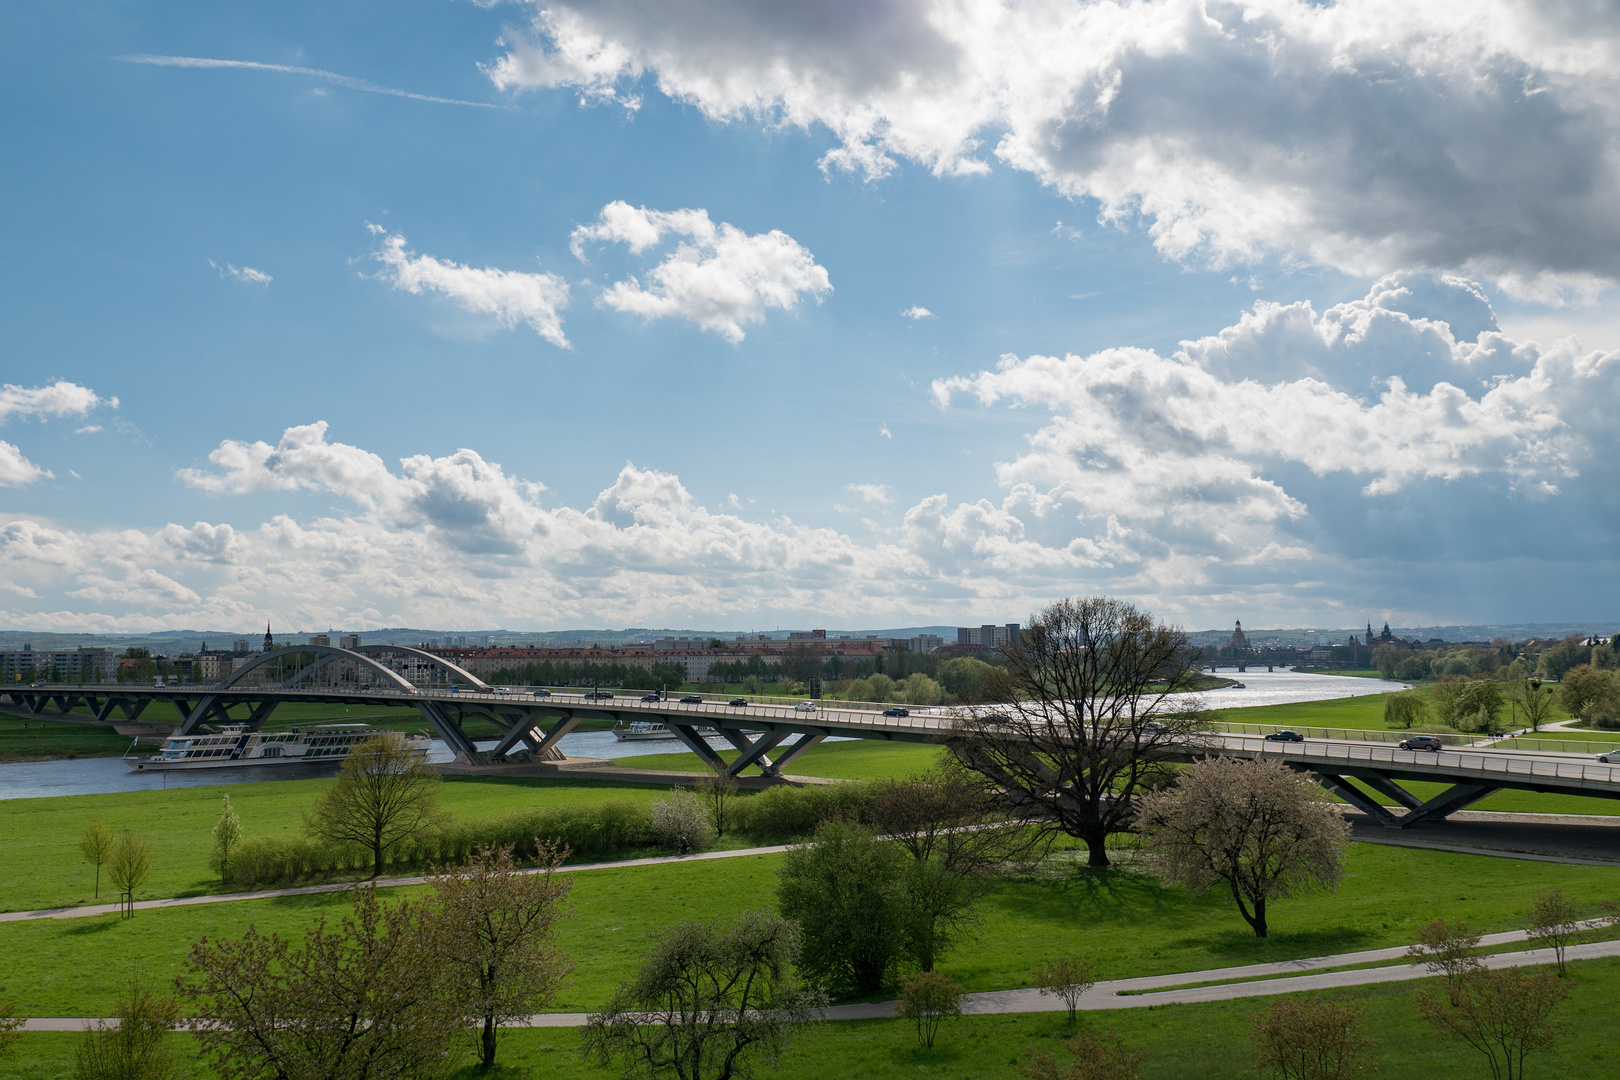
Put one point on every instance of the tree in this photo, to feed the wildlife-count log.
(709, 1003)
(135, 1046)
(1385, 658)
(1469, 704)
(1554, 924)
(366, 999)
(1068, 978)
(1092, 1057)
(846, 892)
(1090, 722)
(1447, 949)
(1310, 1038)
(1404, 709)
(1586, 691)
(1504, 1013)
(96, 845)
(1258, 826)
(499, 930)
(929, 999)
(128, 867)
(227, 835)
(383, 796)
(680, 821)
(1532, 699)
(717, 791)
(10, 1028)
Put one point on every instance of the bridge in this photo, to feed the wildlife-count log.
(769, 737)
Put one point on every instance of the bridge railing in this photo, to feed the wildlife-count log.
(1557, 746)
(1376, 735)
(1476, 761)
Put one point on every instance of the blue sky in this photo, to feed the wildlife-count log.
(614, 331)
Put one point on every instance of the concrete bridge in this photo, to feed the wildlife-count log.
(769, 737)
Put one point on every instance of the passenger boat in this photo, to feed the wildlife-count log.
(640, 730)
(234, 746)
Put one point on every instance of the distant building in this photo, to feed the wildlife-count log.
(1239, 639)
(269, 642)
(924, 643)
(87, 664)
(988, 636)
(322, 640)
(349, 641)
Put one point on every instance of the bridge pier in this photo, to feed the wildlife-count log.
(1418, 811)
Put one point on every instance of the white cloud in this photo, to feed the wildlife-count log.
(874, 493)
(511, 296)
(16, 470)
(346, 81)
(1365, 135)
(244, 274)
(719, 277)
(885, 432)
(916, 312)
(61, 398)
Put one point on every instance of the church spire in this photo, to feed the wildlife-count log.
(269, 642)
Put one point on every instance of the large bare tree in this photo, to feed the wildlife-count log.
(499, 931)
(1257, 826)
(383, 796)
(1094, 717)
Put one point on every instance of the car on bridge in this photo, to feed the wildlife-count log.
(692, 699)
(895, 710)
(542, 692)
(597, 695)
(737, 701)
(1610, 758)
(651, 697)
(805, 706)
(1422, 742)
(1284, 736)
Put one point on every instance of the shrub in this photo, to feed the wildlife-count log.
(1404, 709)
(929, 999)
(680, 821)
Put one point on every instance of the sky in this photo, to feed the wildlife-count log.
(535, 316)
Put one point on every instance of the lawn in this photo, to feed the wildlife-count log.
(1182, 1042)
(857, 759)
(1128, 922)
(43, 834)
(32, 739)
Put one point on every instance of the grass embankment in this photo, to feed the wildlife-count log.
(853, 760)
(1126, 920)
(32, 739)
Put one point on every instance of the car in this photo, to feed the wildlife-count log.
(692, 699)
(1285, 736)
(1610, 758)
(542, 692)
(738, 701)
(651, 697)
(455, 689)
(1421, 742)
(598, 695)
(498, 690)
(895, 710)
(805, 706)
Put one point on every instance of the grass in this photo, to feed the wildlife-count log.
(1126, 921)
(33, 739)
(853, 760)
(1182, 1042)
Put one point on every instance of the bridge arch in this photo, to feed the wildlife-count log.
(327, 654)
(423, 656)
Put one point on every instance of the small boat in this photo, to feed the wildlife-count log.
(1237, 686)
(234, 746)
(641, 730)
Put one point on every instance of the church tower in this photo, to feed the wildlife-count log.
(1239, 640)
(269, 642)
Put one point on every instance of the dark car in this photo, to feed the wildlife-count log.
(598, 695)
(738, 701)
(651, 697)
(895, 710)
(692, 699)
(1285, 736)
(542, 692)
(1421, 742)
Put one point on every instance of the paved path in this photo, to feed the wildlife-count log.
(1281, 977)
(382, 883)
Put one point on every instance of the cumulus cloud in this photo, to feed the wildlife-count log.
(718, 276)
(243, 274)
(16, 470)
(511, 296)
(874, 493)
(61, 398)
(1364, 135)
(916, 312)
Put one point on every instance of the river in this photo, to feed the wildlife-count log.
(96, 776)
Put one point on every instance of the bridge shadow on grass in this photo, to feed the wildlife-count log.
(93, 924)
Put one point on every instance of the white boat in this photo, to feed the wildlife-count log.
(641, 730)
(234, 746)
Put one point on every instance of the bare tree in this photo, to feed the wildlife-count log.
(1447, 949)
(1092, 1057)
(128, 867)
(1258, 826)
(717, 790)
(708, 1004)
(384, 795)
(1504, 1013)
(96, 846)
(366, 999)
(134, 1046)
(1554, 923)
(929, 999)
(1068, 978)
(1310, 1038)
(1090, 721)
(499, 930)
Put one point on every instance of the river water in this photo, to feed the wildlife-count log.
(95, 776)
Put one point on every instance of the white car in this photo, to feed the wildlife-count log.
(1610, 758)
(805, 706)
